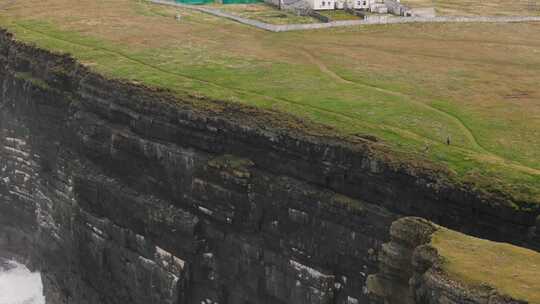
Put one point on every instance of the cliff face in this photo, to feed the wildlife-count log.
(120, 194)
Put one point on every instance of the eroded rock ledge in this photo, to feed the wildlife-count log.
(121, 194)
(413, 270)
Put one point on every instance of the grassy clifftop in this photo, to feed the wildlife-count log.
(412, 86)
(512, 270)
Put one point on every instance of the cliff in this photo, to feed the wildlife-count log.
(119, 193)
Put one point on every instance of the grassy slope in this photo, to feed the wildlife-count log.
(411, 85)
(510, 269)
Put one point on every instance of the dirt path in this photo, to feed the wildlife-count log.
(463, 128)
(324, 68)
(487, 155)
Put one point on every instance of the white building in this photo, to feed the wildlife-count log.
(319, 5)
(376, 6)
(352, 4)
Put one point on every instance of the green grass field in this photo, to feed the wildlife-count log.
(263, 12)
(337, 15)
(475, 262)
(411, 85)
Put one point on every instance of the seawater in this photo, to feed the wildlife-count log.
(18, 285)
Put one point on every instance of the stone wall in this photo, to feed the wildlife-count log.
(396, 8)
(125, 194)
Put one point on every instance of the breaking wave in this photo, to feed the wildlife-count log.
(18, 285)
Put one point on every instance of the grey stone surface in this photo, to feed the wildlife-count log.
(396, 8)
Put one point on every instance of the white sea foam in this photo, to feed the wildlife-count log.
(18, 285)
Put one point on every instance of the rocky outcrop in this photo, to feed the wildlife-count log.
(124, 194)
(391, 283)
(411, 271)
